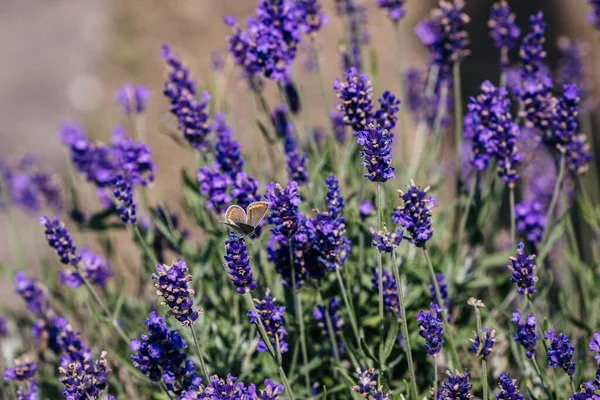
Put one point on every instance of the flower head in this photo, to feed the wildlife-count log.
(526, 334)
(132, 99)
(214, 187)
(123, 192)
(284, 215)
(482, 346)
(593, 16)
(84, 380)
(331, 247)
(574, 68)
(338, 125)
(245, 189)
(354, 95)
(390, 291)
(366, 385)
(180, 90)
(560, 352)
(227, 150)
(310, 16)
(271, 391)
(172, 284)
(503, 29)
(386, 114)
(219, 388)
(334, 199)
(456, 387)
(431, 328)
(271, 316)
(59, 239)
(134, 159)
(532, 52)
(531, 220)
(365, 209)
(386, 241)
(376, 152)
(595, 346)
(508, 388)
(522, 269)
(33, 293)
(21, 371)
(93, 267)
(415, 214)
(587, 391)
(395, 8)
(47, 331)
(237, 262)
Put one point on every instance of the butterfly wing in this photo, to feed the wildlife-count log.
(235, 227)
(245, 229)
(236, 215)
(256, 212)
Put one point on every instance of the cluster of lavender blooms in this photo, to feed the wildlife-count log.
(367, 386)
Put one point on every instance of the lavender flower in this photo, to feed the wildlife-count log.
(29, 391)
(395, 8)
(219, 388)
(376, 153)
(338, 125)
(385, 241)
(123, 192)
(366, 385)
(237, 262)
(47, 331)
(278, 252)
(160, 355)
(456, 387)
(271, 316)
(415, 214)
(60, 240)
(356, 15)
(295, 161)
(245, 189)
(355, 99)
(503, 29)
(444, 34)
(365, 209)
(284, 215)
(560, 352)
(587, 391)
(593, 16)
(578, 155)
(191, 114)
(526, 332)
(134, 160)
(334, 199)
(531, 220)
(337, 323)
(522, 269)
(441, 281)
(93, 267)
(326, 234)
(485, 348)
(431, 328)
(390, 291)
(172, 284)
(33, 293)
(22, 371)
(213, 186)
(508, 388)
(532, 53)
(74, 350)
(86, 380)
(271, 390)
(564, 117)
(595, 346)
(132, 99)
(574, 68)
(386, 114)
(227, 150)
(422, 107)
(310, 16)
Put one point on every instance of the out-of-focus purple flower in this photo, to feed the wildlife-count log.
(388, 108)
(133, 159)
(334, 199)
(395, 8)
(366, 385)
(278, 252)
(59, 239)
(3, 327)
(310, 16)
(284, 215)
(219, 388)
(47, 331)
(531, 220)
(214, 187)
(418, 103)
(503, 29)
(593, 16)
(483, 350)
(356, 15)
(441, 281)
(354, 94)
(93, 267)
(578, 155)
(123, 192)
(21, 371)
(227, 150)
(337, 323)
(595, 346)
(376, 152)
(386, 241)
(390, 291)
(84, 380)
(560, 352)
(271, 316)
(574, 68)
(245, 189)
(217, 62)
(237, 262)
(271, 391)
(508, 388)
(522, 269)
(587, 391)
(180, 90)
(532, 52)
(132, 99)
(295, 159)
(564, 117)
(456, 387)
(331, 247)
(74, 349)
(172, 283)
(490, 127)
(160, 355)
(415, 214)
(339, 127)
(444, 34)
(431, 328)
(526, 334)
(28, 391)
(365, 209)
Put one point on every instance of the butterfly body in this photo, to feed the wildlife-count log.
(244, 222)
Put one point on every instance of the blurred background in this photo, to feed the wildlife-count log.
(65, 59)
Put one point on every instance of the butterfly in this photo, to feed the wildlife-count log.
(245, 222)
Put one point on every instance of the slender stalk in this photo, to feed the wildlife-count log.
(263, 334)
(149, 253)
(164, 389)
(572, 383)
(299, 319)
(380, 272)
(551, 394)
(438, 295)
(203, 368)
(484, 377)
(435, 376)
(503, 65)
(321, 80)
(402, 111)
(458, 117)
(350, 312)
(404, 327)
(561, 173)
(331, 332)
(467, 211)
(512, 216)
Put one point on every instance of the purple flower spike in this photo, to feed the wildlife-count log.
(456, 387)
(93, 267)
(593, 16)
(531, 220)
(365, 209)
(310, 16)
(59, 239)
(84, 380)
(172, 284)
(376, 152)
(508, 388)
(390, 291)
(214, 187)
(355, 99)
(123, 192)
(526, 334)
(415, 214)
(560, 352)
(395, 8)
(284, 215)
(337, 323)
(245, 189)
(522, 269)
(366, 385)
(271, 316)
(33, 293)
(595, 346)
(271, 391)
(503, 29)
(483, 350)
(431, 328)
(132, 99)
(386, 115)
(237, 262)
(22, 371)
(385, 241)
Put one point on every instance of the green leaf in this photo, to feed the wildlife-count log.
(555, 234)
(189, 182)
(367, 351)
(265, 132)
(388, 345)
(345, 375)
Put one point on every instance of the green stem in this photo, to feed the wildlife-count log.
(551, 394)
(149, 253)
(404, 326)
(561, 173)
(512, 216)
(199, 352)
(458, 117)
(484, 377)
(350, 312)
(465, 217)
(402, 111)
(164, 389)
(380, 269)
(330, 331)
(438, 295)
(572, 383)
(435, 376)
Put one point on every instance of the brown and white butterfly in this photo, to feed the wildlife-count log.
(244, 222)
